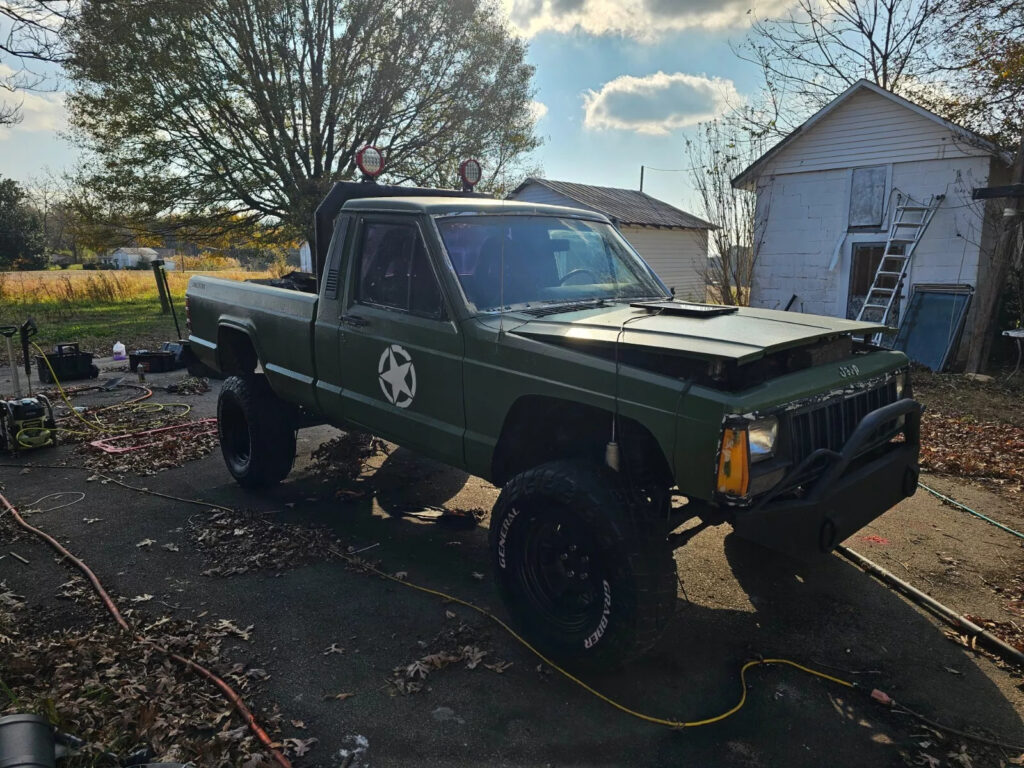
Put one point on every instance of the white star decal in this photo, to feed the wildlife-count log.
(397, 376)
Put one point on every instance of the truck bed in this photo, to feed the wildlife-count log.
(278, 321)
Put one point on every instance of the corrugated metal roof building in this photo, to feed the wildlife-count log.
(672, 241)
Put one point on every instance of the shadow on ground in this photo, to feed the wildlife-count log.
(742, 605)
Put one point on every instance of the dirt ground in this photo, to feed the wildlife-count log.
(347, 669)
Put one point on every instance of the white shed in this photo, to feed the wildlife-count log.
(129, 258)
(827, 194)
(673, 242)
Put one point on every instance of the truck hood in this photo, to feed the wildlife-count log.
(742, 336)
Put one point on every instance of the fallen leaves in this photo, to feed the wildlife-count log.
(146, 543)
(954, 444)
(235, 543)
(338, 696)
(115, 693)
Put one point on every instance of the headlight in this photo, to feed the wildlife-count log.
(761, 435)
(901, 383)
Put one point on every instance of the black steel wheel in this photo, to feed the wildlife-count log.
(257, 432)
(588, 576)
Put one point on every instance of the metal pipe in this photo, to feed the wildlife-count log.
(1004, 649)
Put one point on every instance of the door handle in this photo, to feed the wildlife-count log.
(354, 320)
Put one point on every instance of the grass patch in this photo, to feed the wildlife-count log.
(96, 307)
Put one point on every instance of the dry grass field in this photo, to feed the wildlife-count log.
(96, 307)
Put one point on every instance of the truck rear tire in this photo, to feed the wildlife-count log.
(257, 432)
(587, 575)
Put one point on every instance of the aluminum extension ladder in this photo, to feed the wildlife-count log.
(908, 225)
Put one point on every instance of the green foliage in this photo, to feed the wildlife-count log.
(250, 109)
(21, 231)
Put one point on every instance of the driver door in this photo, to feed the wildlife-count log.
(401, 353)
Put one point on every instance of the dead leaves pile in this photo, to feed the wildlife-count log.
(170, 449)
(457, 644)
(344, 457)
(236, 543)
(126, 698)
(990, 450)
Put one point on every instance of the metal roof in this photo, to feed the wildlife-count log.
(626, 207)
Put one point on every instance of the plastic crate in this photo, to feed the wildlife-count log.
(68, 363)
(156, 361)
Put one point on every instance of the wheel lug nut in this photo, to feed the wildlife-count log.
(564, 556)
(571, 574)
(584, 560)
(584, 576)
(572, 547)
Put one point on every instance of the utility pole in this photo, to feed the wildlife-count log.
(641, 178)
(990, 291)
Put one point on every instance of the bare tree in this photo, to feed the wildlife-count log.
(981, 52)
(819, 48)
(721, 151)
(32, 35)
(250, 109)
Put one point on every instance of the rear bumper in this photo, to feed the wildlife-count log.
(857, 485)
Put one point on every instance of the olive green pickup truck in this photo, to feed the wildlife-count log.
(532, 346)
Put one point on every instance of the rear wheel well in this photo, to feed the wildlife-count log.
(236, 355)
(542, 429)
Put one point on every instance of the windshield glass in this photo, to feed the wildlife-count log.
(546, 260)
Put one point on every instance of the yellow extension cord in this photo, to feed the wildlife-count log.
(96, 426)
(483, 612)
(568, 675)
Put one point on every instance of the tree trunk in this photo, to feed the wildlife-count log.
(990, 290)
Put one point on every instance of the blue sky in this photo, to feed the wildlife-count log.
(620, 84)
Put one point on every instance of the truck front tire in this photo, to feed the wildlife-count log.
(257, 432)
(587, 574)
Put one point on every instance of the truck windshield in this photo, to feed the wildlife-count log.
(544, 259)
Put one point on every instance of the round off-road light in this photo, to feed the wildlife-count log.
(370, 161)
(470, 172)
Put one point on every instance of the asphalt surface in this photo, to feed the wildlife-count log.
(736, 602)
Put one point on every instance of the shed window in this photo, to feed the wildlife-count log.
(867, 196)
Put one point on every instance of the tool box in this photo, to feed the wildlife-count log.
(67, 362)
(158, 361)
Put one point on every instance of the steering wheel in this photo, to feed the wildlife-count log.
(574, 272)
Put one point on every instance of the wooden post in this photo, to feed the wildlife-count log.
(988, 294)
(165, 304)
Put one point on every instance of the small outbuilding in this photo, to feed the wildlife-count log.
(673, 242)
(874, 176)
(132, 258)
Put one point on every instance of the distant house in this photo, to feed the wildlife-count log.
(131, 258)
(828, 192)
(673, 242)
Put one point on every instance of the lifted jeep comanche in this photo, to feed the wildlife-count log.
(530, 345)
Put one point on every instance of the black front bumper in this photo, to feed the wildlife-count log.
(857, 484)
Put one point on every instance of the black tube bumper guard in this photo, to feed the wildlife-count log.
(844, 498)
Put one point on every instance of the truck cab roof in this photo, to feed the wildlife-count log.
(440, 206)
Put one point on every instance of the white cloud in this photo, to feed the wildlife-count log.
(641, 19)
(538, 109)
(40, 111)
(657, 104)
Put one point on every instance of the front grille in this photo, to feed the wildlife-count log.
(829, 424)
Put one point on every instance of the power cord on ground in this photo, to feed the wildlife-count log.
(876, 695)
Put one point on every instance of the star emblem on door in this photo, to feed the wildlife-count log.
(397, 376)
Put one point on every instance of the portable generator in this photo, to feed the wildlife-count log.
(25, 422)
